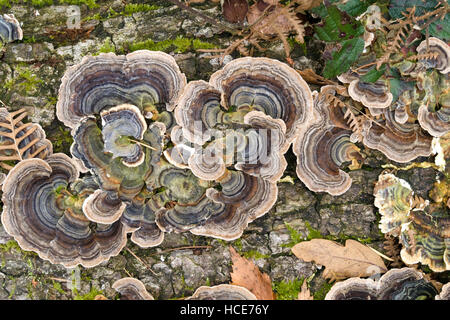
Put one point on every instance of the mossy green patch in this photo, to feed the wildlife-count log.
(322, 291)
(177, 45)
(131, 8)
(287, 290)
(255, 255)
(24, 80)
(88, 296)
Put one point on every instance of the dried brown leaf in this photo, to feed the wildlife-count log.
(247, 275)
(311, 77)
(341, 262)
(304, 293)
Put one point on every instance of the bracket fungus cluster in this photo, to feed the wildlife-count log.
(161, 155)
(396, 284)
(423, 228)
(408, 104)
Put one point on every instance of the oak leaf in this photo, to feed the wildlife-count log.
(247, 275)
(341, 262)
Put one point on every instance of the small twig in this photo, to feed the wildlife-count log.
(140, 260)
(143, 144)
(182, 248)
(59, 279)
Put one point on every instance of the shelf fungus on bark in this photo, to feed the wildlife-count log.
(396, 284)
(244, 85)
(149, 80)
(426, 238)
(323, 145)
(243, 198)
(394, 199)
(445, 292)
(113, 174)
(10, 29)
(375, 96)
(43, 212)
(257, 148)
(423, 228)
(119, 126)
(441, 61)
(222, 292)
(399, 142)
(433, 99)
(131, 289)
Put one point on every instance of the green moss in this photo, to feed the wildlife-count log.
(106, 47)
(287, 290)
(237, 244)
(57, 286)
(90, 3)
(88, 296)
(322, 291)
(24, 80)
(131, 8)
(296, 236)
(178, 45)
(255, 255)
(10, 245)
(34, 3)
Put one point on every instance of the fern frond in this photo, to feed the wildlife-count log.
(19, 141)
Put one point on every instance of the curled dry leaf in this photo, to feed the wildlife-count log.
(247, 275)
(235, 11)
(304, 293)
(341, 262)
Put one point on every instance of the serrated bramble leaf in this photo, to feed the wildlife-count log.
(344, 58)
(338, 26)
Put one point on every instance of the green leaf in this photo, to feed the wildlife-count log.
(373, 75)
(440, 28)
(338, 26)
(344, 58)
(352, 7)
(397, 87)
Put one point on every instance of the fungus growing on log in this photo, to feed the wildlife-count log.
(323, 145)
(131, 289)
(118, 125)
(442, 50)
(222, 292)
(150, 80)
(244, 85)
(43, 212)
(10, 29)
(399, 142)
(423, 229)
(113, 174)
(396, 284)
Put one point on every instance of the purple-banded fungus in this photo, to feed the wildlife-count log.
(131, 289)
(43, 212)
(441, 61)
(396, 284)
(149, 80)
(119, 126)
(10, 29)
(323, 145)
(423, 229)
(222, 292)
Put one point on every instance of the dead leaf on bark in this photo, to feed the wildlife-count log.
(341, 262)
(247, 275)
(311, 77)
(304, 293)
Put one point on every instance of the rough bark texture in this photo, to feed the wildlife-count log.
(30, 71)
